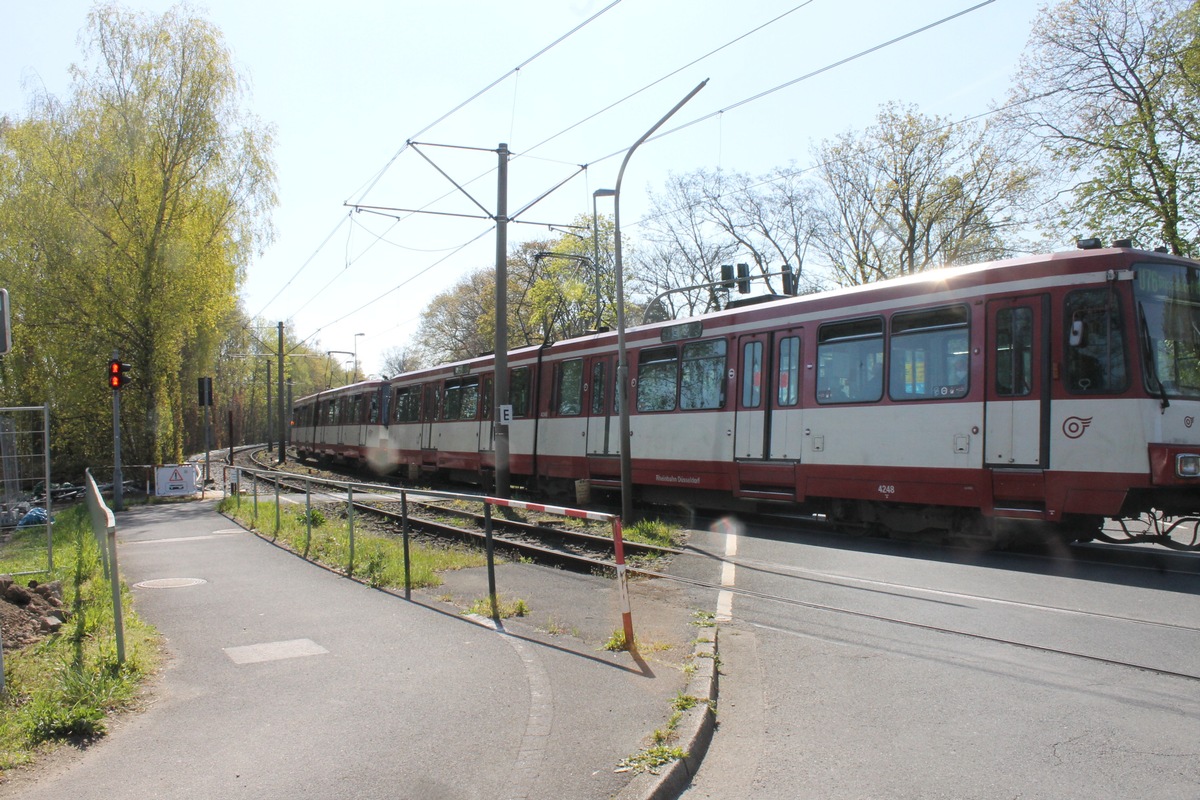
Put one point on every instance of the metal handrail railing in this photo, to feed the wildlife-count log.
(104, 528)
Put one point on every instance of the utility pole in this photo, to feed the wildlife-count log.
(503, 409)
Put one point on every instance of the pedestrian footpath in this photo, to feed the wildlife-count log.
(286, 680)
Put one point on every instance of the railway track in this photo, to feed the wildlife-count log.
(425, 513)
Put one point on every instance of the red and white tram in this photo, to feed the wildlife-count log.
(1042, 393)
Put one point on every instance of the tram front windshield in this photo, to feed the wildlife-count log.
(1168, 305)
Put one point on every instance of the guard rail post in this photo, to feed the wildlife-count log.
(491, 559)
(278, 526)
(307, 516)
(350, 524)
(623, 585)
(404, 532)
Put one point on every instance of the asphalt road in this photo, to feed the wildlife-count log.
(826, 693)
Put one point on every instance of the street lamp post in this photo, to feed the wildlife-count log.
(356, 356)
(596, 247)
(622, 360)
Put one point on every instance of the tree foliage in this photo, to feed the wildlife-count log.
(705, 219)
(913, 192)
(552, 296)
(1109, 88)
(128, 216)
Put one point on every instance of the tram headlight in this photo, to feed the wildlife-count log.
(1187, 465)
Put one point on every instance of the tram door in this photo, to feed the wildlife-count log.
(1016, 416)
(602, 428)
(753, 403)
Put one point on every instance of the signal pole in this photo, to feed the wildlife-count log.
(118, 479)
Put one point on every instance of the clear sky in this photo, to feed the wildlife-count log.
(347, 83)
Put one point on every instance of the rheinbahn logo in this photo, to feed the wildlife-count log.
(1188, 421)
(1073, 427)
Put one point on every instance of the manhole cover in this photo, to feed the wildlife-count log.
(170, 583)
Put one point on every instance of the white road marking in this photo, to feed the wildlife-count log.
(728, 576)
(274, 651)
(216, 535)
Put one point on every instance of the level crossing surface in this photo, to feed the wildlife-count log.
(283, 679)
(855, 668)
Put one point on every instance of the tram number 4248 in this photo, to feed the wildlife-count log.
(887, 489)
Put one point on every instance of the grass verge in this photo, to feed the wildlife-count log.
(378, 559)
(63, 687)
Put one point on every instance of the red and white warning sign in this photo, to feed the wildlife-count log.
(173, 480)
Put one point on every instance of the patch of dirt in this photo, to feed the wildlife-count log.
(29, 613)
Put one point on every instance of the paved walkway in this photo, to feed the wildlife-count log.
(286, 680)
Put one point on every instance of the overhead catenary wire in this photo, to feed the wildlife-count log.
(395, 288)
(807, 76)
(409, 143)
(514, 71)
(670, 74)
(372, 182)
(718, 113)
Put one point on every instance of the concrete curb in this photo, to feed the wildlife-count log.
(694, 732)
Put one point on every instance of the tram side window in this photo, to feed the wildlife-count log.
(373, 411)
(470, 399)
(461, 399)
(452, 402)
(408, 404)
(332, 411)
(930, 355)
(788, 379)
(658, 375)
(1095, 352)
(752, 367)
(702, 377)
(487, 399)
(598, 387)
(850, 361)
(1014, 346)
(518, 391)
(569, 389)
(432, 395)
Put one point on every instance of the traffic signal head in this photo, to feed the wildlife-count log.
(116, 374)
(790, 280)
(743, 278)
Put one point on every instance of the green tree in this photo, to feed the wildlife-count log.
(1109, 89)
(130, 213)
(551, 297)
(913, 192)
(460, 322)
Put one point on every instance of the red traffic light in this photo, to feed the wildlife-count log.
(116, 374)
